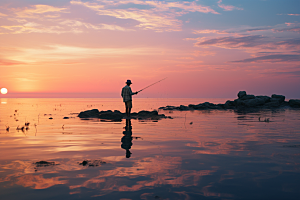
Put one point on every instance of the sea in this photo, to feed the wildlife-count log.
(47, 152)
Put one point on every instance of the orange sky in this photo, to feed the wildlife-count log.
(206, 49)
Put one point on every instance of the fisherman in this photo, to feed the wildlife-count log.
(127, 97)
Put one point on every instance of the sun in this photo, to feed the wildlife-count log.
(3, 91)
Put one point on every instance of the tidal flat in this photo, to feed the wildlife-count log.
(200, 154)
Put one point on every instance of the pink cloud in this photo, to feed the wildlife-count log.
(5, 62)
(228, 7)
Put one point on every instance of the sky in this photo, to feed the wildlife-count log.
(205, 48)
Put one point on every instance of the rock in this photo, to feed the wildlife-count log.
(116, 115)
(153, 115)
(281, 98)
(182, 107)
(265, 98)
(66, 118)
(168, 108)
(209, 105)
(272, 104)
(110, 115)
(50, 117)
(248, 96)
(44, 163)
(89, 114)
(241, 94)
(295, 103)
(197, 107)
(254, 102)
(239, 102)
(229, 104)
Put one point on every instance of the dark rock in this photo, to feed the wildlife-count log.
(295, 103)
(44, 163)
(265, 98)
(241, 94)
(116, 115)
(50, 117)
(239, 102)
(254, 102)
(182, 107)
(152, 115)
(229, 104)
(209, 105)
(248, 96)
(221, 106)
(89, 114)
(168, 108)
(272, 104)
(281, 98)
(197, 107)
(66, 118)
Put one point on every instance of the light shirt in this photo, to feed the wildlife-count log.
(126, 93)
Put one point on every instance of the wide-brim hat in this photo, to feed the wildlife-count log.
(129, 81)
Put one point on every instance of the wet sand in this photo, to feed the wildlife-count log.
(196, 155)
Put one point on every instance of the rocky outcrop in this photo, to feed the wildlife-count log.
(295, 103)
(118, 116)
(244, 101)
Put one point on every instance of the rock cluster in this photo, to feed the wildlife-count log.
(118, 116)
(244, 101)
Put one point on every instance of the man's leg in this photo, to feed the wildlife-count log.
(127, 110)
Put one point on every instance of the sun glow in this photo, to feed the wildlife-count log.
(3, 91)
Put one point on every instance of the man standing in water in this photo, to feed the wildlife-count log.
(127, 97)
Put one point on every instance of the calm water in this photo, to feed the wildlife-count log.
(196, 155)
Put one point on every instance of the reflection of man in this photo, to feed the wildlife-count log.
(127, 138)
(127, 97)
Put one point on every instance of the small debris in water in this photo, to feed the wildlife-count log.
(22, 128)
(66, 117)
(92, 163)
(44, 163)
(191, 123)
(50, 118)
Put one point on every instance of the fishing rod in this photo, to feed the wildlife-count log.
(151, 84)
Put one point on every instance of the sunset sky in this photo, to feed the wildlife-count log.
(206, 48)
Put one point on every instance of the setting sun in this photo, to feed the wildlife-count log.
(3, 91)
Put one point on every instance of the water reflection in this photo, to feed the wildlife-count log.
(221, 155)
(3, 101)
(127, 138)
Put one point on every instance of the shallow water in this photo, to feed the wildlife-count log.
(195, 155)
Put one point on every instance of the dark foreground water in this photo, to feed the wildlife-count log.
(196, 155)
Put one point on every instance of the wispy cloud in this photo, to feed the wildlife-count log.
(233, 42)
(2, 15)
(161, 16)
(37, 10)
(207, 31)
(294, 14)
(228, 7)
(53, 53)
(5, 62)
(271, 58)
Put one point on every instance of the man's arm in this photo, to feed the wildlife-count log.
(123, 91)
(132, 93)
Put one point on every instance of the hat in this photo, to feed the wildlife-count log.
(129, 81)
